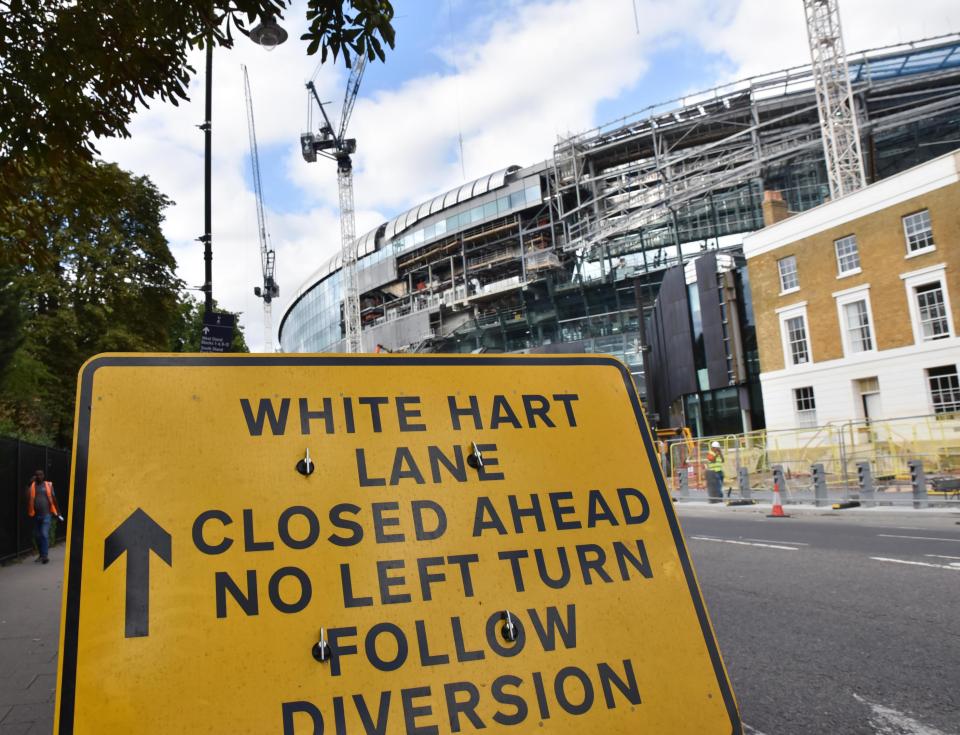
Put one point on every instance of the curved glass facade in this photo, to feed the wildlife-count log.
(314, 324)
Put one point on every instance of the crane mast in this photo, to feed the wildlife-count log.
(270, 289)
(835, 102)
(340, 149)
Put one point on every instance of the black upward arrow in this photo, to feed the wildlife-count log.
(137, 536)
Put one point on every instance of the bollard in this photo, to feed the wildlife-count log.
(819, 485)
(684, 483)
(918, 480)
(779, 480)
(865, 482)
(743, 477)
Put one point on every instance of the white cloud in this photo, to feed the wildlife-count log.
(760, 36)
(541, 69)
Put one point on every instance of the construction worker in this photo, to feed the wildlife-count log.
(41, 505)
(715, 473)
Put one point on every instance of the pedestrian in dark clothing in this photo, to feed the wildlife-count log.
(41, 505)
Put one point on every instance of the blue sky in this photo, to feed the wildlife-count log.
(507, 75)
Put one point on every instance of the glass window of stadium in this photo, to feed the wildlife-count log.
(713, 412)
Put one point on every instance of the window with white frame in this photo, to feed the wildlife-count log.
(788, 273)
(806, 406)
(856, 318)
(848, 255)
(931, 311)
(796, 338)
(944, 389)
(918, 231)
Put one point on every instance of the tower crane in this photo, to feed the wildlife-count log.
(336, 146)
(268, 257)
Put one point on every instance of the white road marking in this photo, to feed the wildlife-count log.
(920, 538)
(888, 721)
(941, 556)
(750, 729)
(954, 567)
(776, 541)
(744, 543)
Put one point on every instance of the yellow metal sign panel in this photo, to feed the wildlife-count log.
(472, 543)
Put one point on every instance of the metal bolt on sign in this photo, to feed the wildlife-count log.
(305, 466)
(321, 649)
(509, 629)
(475, 458)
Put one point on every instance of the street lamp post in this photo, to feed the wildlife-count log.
(268, 34)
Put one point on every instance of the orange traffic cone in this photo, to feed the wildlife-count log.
(777, 505)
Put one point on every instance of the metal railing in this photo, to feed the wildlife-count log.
(18, 461)
(888, 448)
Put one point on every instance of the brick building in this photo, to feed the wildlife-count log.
(856, 302)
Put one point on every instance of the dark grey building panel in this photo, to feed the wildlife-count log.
(671, 358)
(714, 348)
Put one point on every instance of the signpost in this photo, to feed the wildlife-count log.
(377, 544)
(216, 334)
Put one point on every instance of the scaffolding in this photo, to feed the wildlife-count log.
(695, 168)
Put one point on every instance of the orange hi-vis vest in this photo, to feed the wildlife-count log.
(48, 486)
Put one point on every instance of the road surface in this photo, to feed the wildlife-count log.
(835, 624)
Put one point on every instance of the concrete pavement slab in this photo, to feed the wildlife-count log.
(16, 728)
(29, 637)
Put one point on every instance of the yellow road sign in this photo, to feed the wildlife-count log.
(377, 544)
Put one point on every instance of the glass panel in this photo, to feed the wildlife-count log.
(806, 406)
(944, 389)
(848, 256)
(490, 209)
(918, 231)
(788, 273)
(858, 326)
(797, 340)
(932, 312)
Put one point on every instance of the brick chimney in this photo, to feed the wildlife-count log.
(774, 208)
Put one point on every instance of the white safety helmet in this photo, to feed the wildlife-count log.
(715, 445)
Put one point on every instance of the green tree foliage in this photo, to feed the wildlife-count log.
(100, 279)
(188, 323)
(74, 71)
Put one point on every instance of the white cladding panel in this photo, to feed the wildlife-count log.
(901, 374)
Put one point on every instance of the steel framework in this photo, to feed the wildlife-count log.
(695, 168)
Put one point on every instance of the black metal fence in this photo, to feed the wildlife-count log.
(18, 461)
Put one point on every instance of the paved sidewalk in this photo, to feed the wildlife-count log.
(29, 637)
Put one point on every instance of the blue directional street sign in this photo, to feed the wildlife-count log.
(216, 335)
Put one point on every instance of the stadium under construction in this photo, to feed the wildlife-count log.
(568, 255)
